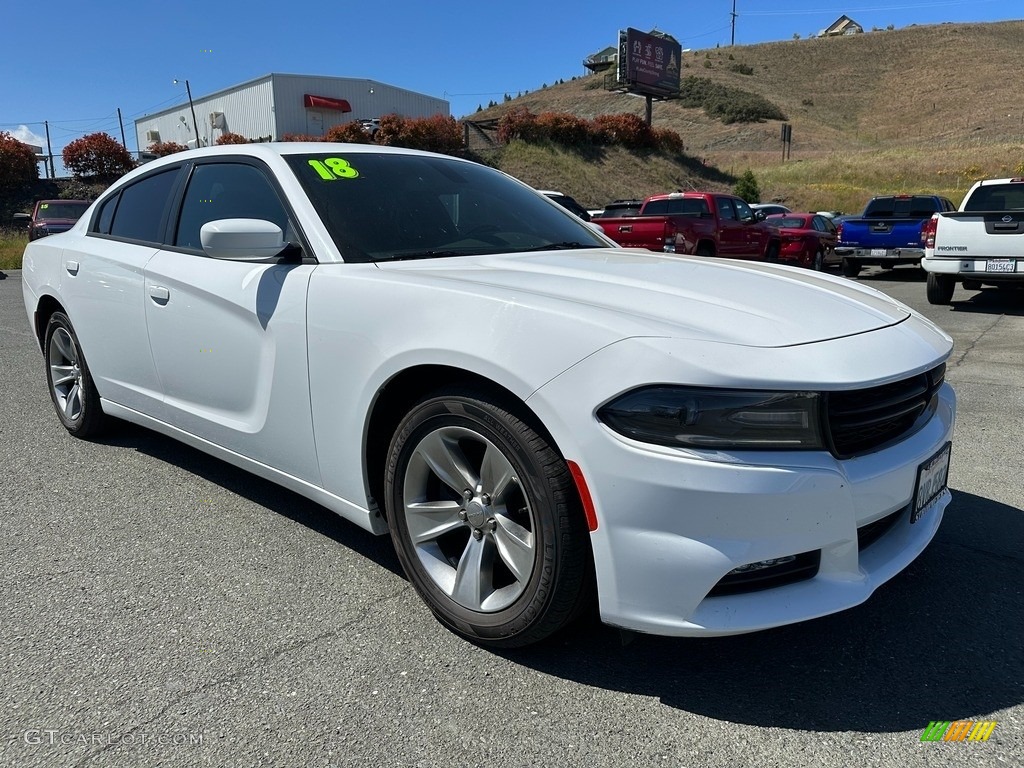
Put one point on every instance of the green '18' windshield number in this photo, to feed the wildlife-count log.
(333, 168)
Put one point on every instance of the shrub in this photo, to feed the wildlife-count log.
(300, 137)
(164, 148)
(563, 128)
(439, 133)
(628, 130)
(231, 138)
(520, 124)
(747, 187)
(97, 156)
(18, 165)
(668, 140)
(730, 105)
(351, 133)
(742, 69)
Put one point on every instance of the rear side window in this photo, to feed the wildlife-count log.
(140, 212)
(105, 217)
(725, 208)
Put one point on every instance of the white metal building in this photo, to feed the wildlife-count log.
(276, 104)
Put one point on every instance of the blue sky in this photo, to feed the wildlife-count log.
(74, 64)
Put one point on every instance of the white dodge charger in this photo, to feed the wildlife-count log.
(431, 349)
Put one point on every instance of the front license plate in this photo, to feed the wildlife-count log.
(1001, 265)
(931, 482)
(878, 251)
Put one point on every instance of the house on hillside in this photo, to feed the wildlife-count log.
(844, 25)
(602, 60)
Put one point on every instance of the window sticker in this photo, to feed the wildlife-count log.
(333, 168)
(44, 205)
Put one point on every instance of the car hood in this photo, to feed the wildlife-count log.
(640, 293)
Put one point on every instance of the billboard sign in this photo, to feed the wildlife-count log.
(649, 62)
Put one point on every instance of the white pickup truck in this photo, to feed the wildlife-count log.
(982, 243)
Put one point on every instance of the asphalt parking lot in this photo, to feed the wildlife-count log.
(161, 607)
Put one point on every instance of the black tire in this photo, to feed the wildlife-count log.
(971, 285)
(851, 267)
(706, 250)
(819, 261)
(72, 391)
(771, 253)
(940, 288)
(530, 543)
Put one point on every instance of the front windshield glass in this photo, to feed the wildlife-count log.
(62, 210)
(384, 206)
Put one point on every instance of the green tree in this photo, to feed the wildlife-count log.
(747, 187)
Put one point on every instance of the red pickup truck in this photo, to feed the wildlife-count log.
(701, 223)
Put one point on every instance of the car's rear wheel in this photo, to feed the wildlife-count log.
(705, 249)
(940, 288)
(486, 520)
(71, 387)
(772, 252)
(851, 267)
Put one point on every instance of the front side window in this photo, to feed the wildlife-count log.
(725, 209)
(389, 206)
(140, 212)
(226, 191)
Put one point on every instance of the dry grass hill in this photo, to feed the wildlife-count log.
(925, 108)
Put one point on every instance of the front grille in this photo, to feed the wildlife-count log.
(872, 532)
(801, 567)
(864, 420)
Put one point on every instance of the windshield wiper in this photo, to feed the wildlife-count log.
(427, 255)
(564, 246)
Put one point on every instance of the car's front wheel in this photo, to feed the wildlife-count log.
(486, 520)
(851, 267)
(71, 387)
(819, 261)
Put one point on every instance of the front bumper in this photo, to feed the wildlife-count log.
(673, 523)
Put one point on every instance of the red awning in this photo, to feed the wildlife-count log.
(323, 102)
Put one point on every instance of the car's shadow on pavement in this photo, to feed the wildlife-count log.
(270, 495)
(990, 301)
(899, 274)
(941, 641)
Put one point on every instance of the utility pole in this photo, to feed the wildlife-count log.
(121, 123)
(49, 149)
(732, 39)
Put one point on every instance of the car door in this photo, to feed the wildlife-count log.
(229, 337)
(102, 279)
(732, 234)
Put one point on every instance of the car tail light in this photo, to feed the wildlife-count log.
(839, 231)
(928, 231)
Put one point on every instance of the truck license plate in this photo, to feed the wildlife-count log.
(1001, 265)
(932, 476)
(878, 251)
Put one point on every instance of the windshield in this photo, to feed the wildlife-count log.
(383, 206)
(61, 210)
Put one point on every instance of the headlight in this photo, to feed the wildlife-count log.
(693, 417)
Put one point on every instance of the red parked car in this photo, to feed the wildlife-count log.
(52, 216)
(808, 239)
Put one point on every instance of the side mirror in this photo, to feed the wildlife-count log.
(760, 215)
(23, 217)
(242, 239)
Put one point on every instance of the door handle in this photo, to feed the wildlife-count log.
(159, 294)
(71, 267)
(626, 228)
